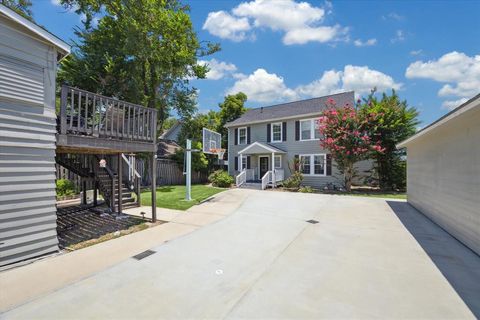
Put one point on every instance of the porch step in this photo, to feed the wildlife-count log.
(251, 185)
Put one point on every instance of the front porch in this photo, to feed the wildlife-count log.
(260, 166)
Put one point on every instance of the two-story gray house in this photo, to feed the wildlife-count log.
(263, 142)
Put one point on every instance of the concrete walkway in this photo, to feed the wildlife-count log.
(361, 260)
(52, 273)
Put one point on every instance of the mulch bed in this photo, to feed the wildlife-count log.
(78, 224)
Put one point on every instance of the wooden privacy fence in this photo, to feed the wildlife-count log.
(168, 173)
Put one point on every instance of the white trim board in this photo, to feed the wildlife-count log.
(42, 33)
(470, 104)
(256, 143)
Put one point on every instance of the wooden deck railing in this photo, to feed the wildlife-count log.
(90, 114)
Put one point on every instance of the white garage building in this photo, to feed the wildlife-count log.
(443, 172)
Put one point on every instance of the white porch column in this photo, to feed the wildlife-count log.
(273, 170)
(241, 162)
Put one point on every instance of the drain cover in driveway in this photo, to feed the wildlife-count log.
(143, 254)
(312, 221)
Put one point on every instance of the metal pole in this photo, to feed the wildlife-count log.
(188, 196)
(154, 187)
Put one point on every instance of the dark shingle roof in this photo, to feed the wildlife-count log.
(292, 109)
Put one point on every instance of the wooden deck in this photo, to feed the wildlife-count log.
(92, 123)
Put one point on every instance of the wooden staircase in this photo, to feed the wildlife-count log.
(105, 178)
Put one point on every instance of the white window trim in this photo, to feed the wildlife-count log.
(312, 129)
(280, 156)
(240, 163)
(312, 164)
(281, 132)
(246, 138)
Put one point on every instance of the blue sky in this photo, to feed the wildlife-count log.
(279, 51)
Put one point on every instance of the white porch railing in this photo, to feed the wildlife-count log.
(279, 175)
(250, 174)
(266, 179)
(241, 178)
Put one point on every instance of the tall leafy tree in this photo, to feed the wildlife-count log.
(347, 135)
(231, 108)
(22, 7)
(395, 123)
(143, 51)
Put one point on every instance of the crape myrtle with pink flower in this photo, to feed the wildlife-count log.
(349, 136)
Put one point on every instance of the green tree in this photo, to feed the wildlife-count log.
(142, 51)
(230, 109)
(192, 128)
(395, 123)
(22, 7)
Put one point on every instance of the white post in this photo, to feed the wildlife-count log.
(240, 165)
(188, 196)
(273, 170)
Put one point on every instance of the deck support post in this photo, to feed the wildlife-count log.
(95, 193)
(84, 191)
(120, 183)
(153, 166)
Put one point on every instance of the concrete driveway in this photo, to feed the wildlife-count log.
(365, 258)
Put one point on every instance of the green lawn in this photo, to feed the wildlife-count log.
(173, 197)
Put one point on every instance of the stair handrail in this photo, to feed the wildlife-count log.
(241, 178)
(133, 176)
(131, 167)
(266, 179)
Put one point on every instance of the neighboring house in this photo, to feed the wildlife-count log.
(167, 148)
(265, 141)
(443, 172)
(172, 133)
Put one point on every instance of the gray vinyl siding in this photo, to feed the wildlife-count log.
(27, 145)
(291, 147)
(443, 176)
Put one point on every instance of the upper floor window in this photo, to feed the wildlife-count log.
(242, 135)
(309, 129)
(277, 132)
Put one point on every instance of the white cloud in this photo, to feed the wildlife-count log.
(262, 86)
(318, 34)
(279, 15)
(459, 72)
(224, 25)
(416, 52)
(360, 79)
(369, 42)
(300, 22)
(393, 16)
(218, 69)
(399, 36)
(329, 83)
(452, 104)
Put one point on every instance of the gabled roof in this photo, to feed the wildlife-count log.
(260, 148)
(62, 47)
(170, 130)
(468, 105)
(167, 148)
(292, 109)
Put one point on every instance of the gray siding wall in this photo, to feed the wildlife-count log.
(292, 148)
(443, 176)
(27, 145)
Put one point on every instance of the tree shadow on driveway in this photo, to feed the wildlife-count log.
(459, 264)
